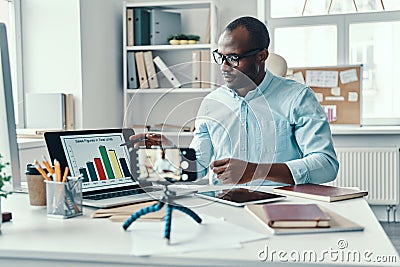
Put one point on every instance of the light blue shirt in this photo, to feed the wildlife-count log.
(279, 122)
(162, 165)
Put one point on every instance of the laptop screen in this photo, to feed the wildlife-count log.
(99, 159)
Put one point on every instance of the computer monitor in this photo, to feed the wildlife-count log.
(8, 136)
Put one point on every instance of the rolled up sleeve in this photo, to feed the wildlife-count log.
(318, 163)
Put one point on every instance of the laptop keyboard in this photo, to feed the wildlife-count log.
(121, 193)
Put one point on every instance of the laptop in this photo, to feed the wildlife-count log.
(104, 165)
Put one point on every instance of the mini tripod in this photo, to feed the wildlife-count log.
(168, 199)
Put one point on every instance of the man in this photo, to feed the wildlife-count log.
(163, 165)
(259, 128)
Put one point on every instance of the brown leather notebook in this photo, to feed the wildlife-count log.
(295, 216)
(320, 192)
(337, 223)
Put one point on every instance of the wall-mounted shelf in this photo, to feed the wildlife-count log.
(169, 91)
(168, 47)
(175, 106)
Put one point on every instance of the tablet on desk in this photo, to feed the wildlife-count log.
(240, 196)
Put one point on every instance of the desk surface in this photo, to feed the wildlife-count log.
(32, 236)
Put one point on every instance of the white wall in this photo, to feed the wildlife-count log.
(75, 46)
(228, 10)
(101, 35)
(51, 48)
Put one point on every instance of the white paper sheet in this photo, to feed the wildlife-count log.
(353, 97)
(187, 236)
(335, 91)
(319, 96)
(298, 77)
(348, 76)
(322, 78)
(334, 98)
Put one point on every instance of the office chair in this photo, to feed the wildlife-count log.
(276, 64)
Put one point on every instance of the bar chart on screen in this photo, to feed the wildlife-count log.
(99, 159)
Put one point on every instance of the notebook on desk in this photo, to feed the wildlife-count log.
(105, 166)
(337, 223)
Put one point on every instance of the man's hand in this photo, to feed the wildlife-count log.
(151, 139)
(234, 171)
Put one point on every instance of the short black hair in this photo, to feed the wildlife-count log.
(258, 31)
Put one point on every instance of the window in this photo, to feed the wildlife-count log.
(371, 43)
(337, 32)
(314, 45)
(9, 15)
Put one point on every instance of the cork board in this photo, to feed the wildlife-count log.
(338, 90)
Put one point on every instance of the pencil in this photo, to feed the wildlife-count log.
(131, 142)
(41, 171)
(66, 170)
(57, 169)
(48, 166)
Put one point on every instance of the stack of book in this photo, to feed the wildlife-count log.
(307, 218)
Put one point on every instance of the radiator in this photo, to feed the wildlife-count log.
(374, 169)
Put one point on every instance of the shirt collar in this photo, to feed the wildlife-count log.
(259, 90)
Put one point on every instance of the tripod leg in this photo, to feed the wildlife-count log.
(141, 212)
(168, 219)
(188, 212)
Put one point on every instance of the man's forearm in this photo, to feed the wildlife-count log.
(276, 172)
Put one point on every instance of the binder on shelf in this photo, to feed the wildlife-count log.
(207, 35)
(141, 70)
(167, 72)
(69, 112)
(205, 69)
(196, 68)
(162, 24)
(141, 26)
(129, 27)
(132, 74)
(151, 70)
(45, 111)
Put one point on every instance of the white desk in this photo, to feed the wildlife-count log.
(32, 236)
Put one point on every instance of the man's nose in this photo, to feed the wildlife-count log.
(225, 67)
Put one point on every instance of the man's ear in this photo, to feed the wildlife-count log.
(263, 55)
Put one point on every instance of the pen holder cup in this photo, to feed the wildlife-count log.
(36, 189)
(64, 200)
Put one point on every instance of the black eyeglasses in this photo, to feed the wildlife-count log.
(233, 59)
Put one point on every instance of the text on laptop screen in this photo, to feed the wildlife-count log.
(98, 158)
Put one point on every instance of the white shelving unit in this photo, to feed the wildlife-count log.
(168, 47)
(177, 106)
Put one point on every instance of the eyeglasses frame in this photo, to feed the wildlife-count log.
(238, 57)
